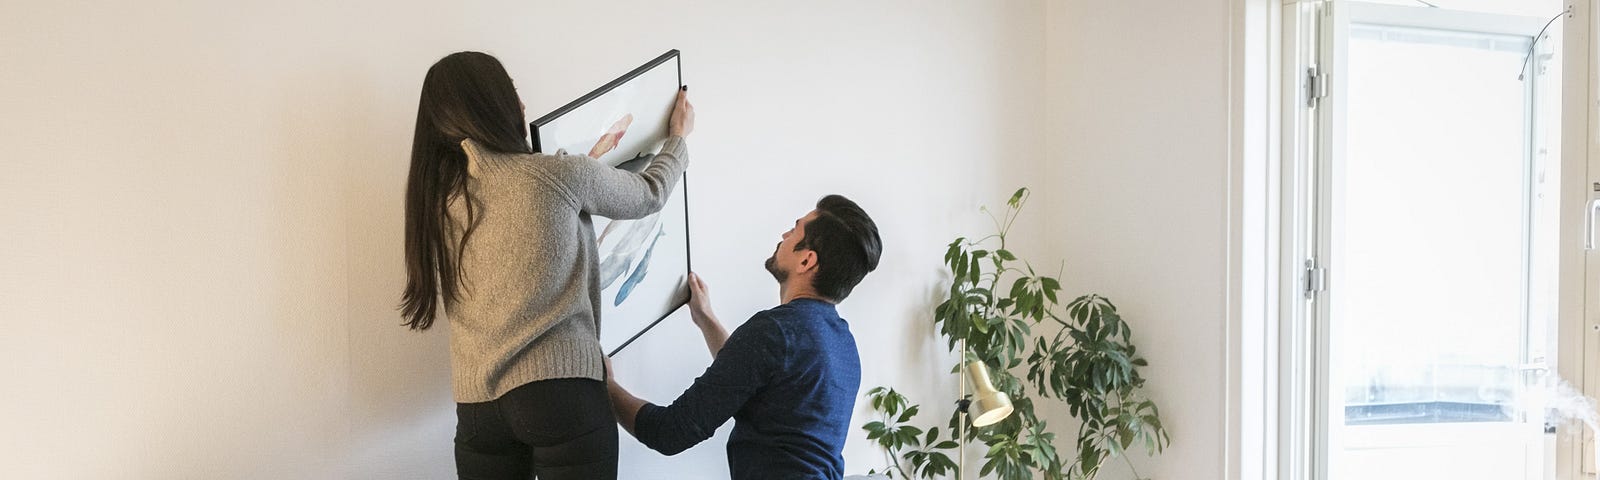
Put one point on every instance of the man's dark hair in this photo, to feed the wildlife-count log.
(847, 246)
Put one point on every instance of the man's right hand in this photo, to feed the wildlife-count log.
(700, 312)
(700, 301)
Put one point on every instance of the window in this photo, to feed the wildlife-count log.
(1425, 181)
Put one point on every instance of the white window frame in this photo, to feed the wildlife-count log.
(1578, 344)
(1273, 343)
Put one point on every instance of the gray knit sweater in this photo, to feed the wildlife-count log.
(530, 309)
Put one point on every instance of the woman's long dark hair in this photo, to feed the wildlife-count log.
(465, 95)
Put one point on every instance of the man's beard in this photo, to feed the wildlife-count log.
(777, 273)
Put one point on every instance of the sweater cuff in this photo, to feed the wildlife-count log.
(676, 146)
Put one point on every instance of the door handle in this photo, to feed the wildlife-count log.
(1588, 223)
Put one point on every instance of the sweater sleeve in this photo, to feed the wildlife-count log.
(747, 362)
(615, 193)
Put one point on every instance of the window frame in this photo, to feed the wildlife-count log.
(1299, 378)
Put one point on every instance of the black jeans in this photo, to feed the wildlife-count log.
(550, 429)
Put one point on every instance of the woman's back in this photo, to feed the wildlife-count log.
(529, 306)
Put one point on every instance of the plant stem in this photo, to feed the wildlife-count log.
(1097, 464)
(893, 460)
(897, 466)
(1014, 213)
(995, 220)
(1136, 475)
(973, 243)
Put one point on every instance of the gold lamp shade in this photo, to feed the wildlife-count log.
(989, 406)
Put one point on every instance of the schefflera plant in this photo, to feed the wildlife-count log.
(1089, 362)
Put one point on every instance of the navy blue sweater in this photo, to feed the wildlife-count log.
(788, 377)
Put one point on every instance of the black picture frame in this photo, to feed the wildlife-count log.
(683, 182)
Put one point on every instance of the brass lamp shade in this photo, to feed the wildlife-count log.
(989, 406)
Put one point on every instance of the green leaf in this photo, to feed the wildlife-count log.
(874, 430)
(1050, 283)
(1088, 458)
(910, 412)
(914, 431)
(961, 268)
(977, 270)
(940, 464)
(1016, 198)
(1005, 255)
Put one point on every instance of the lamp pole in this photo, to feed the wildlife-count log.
(961, 427)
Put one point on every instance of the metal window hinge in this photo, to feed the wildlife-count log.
(1316, 86)
(1316, 278)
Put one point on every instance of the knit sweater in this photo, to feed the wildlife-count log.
(529, 308)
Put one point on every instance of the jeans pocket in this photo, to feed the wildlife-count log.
(468, 422)
(555, 411)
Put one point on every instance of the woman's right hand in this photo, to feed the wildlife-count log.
(682, 121)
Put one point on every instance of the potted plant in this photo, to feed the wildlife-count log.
(1000, 315)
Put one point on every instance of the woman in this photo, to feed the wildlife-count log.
(502, 236)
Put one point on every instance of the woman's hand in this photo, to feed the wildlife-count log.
(682, 122)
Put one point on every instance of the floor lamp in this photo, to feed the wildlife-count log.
(992, 405)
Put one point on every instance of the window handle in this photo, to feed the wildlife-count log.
(1588, 224)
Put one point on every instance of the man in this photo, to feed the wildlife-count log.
(789, 375)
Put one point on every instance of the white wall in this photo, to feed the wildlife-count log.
(202, 208)
(1139, 147)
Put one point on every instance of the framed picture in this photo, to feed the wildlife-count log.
(644, 263)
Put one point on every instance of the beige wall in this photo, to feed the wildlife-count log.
(200, 250)
(1138, 141)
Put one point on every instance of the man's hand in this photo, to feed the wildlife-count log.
(681, 124)
(624, 406)
(700, 301)
(700, 311)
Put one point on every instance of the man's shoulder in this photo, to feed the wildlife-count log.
(769, 319)
(799, 322)
(775, 324)
(781, 318)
